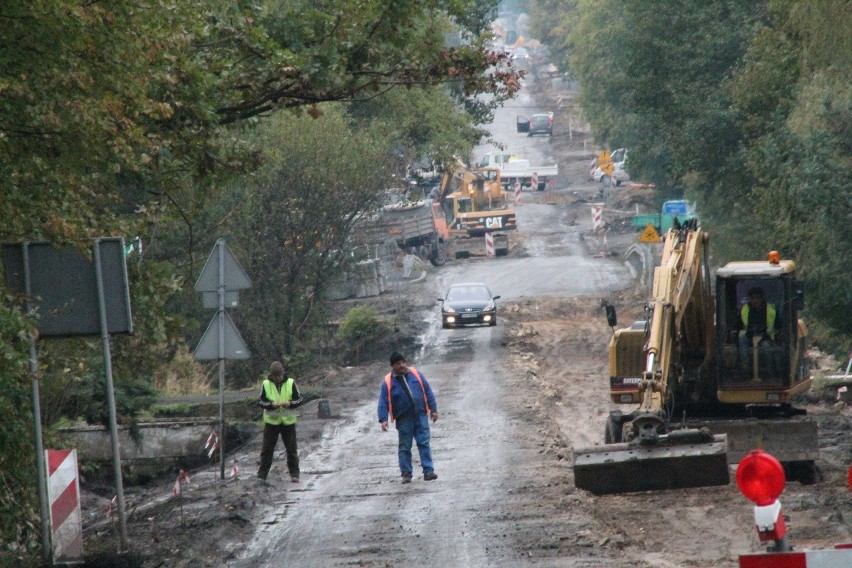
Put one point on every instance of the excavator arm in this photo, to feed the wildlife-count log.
(653, 455)
(681, 323)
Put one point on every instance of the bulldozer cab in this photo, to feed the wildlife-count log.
(759, 337)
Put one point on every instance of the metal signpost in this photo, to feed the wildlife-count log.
(92, 298)
(222, 275)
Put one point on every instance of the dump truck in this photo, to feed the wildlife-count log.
(474, 203)
(705, 396)
(675, 210)
(414, 225)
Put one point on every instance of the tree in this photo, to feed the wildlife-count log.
(131, 118)
(294, 222)
(795, 91)
(421, 122)
(18, 489)
(656, 79)
(746, 107)
(553, 22)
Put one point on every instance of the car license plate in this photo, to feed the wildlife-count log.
(468, 316)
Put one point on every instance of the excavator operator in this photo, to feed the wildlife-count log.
(757, 320)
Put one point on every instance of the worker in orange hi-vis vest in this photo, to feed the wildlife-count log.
(406, 397)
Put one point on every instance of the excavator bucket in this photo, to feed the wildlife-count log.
(673, 463)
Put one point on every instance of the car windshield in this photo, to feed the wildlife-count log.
(468, 293)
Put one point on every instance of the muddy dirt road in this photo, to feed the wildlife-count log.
(353, 507)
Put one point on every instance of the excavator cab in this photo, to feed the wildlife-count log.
(759, 337)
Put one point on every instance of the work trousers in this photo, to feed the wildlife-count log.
(764, 349)
(411, 428)
(270, 439)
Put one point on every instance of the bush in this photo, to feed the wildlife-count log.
(360, 327)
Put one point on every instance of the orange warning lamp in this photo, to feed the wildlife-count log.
(774, 257)
(760, 478)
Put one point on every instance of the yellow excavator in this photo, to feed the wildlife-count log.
(709, 385)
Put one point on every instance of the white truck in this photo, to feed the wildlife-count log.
(516, 169)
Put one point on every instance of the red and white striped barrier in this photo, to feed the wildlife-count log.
(212, 443)
(517, 191)
(534, 181)
(235, 471)
(489, 244)
(112, 505)
(63, 489)
(182, 478)
(839, 558)
(597, 217)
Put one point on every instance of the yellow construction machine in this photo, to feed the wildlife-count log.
(707, 392)
(475, 203)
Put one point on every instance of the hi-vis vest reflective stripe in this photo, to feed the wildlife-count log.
(281, 415)
(770, 318)
(422, 388)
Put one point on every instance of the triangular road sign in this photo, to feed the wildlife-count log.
(208, 347)
(649, 235)
(235, 278)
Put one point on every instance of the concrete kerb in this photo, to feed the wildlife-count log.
(408, 281)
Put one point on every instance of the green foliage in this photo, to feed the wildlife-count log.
(172, 410)
(655, 78)
(744, 105)
(19, 519)
(420, 121)
(552, 23)
(293, 222)
(360, 326)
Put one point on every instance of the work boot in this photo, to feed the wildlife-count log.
(294, 478)
(406, 478)
(430, 476)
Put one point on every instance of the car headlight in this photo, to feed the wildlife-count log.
(449, 310)
(490, 307)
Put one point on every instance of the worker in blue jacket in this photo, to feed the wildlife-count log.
(406, 397)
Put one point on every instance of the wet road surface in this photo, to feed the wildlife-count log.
(351, 508)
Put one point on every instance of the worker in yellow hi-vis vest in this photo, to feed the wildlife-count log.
(279, 397)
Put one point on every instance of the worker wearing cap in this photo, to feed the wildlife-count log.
(406, 397)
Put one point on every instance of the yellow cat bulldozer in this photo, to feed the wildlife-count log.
(705, 388)
(474, 203)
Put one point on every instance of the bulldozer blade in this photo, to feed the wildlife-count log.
(793, 439)
(628, 468)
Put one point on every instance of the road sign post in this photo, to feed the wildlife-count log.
(91, 299)
(223, 275)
